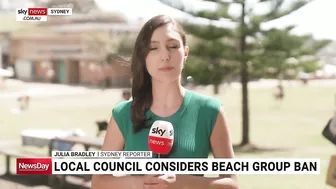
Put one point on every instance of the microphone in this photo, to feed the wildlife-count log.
(161, 137)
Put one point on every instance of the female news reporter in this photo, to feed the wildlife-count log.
(159, 55)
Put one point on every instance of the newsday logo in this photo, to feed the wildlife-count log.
(40, 14)
(33, 166)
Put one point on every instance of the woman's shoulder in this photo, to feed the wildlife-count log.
(123, 107)
(205, 101)
(122, 114)
(209, 108)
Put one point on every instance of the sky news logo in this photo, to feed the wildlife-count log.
(33, 12)
(31, 166)
(40, 14)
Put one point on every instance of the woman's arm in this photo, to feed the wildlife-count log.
(221, 148)
(114, 141)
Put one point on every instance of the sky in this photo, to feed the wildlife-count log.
(317, 18)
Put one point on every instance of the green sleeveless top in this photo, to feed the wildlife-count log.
(193, 124)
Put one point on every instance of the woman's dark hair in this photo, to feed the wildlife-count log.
(142, 84)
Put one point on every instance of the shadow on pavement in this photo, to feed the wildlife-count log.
(251, 148)
(36, 181)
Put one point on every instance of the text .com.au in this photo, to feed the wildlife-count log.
(31, 18)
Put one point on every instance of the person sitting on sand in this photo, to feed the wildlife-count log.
(279, 93)
(24, 101)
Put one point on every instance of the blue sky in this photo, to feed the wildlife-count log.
(317, 18)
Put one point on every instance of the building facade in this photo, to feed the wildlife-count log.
(60, 53)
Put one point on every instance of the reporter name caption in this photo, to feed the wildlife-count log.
(109, 165)
(101, 154)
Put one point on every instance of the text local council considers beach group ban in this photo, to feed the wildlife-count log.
(257, 166)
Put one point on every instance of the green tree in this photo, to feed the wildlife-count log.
(212, 54)
(248, 26)
(103, 46)
(111, 49)
(206, 71)
(285, 54)
(125, 47)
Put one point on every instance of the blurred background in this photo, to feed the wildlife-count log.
(272, 63)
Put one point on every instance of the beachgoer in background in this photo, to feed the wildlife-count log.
(126, 95)
(190, 83)
(279, 93)
(24, 101)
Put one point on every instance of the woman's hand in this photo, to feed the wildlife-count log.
(158, 181)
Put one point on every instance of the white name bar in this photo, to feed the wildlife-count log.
(59, 11)
(186, 166)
